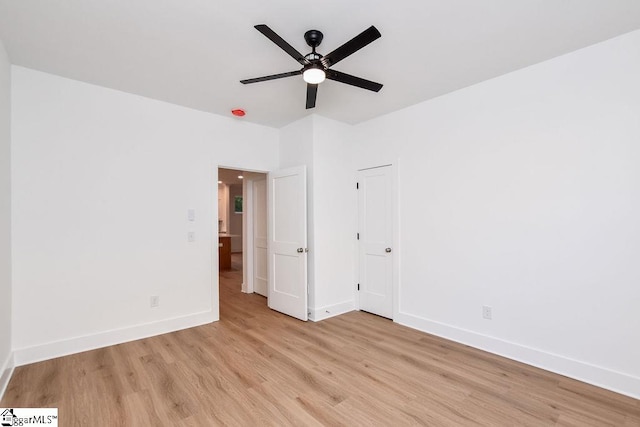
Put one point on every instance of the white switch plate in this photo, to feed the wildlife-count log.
(191, 236)
(191, 215)
(154, 301)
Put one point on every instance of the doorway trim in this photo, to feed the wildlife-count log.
(247, 235)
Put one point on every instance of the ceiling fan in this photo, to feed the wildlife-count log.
(316, 67)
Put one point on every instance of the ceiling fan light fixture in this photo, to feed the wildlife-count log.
(314, 75)
(317, 67)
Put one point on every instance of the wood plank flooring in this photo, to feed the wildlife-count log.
(258, 367)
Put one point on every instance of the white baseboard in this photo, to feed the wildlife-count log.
(582, 371)
(23, 356)
(321, 313)
(6, 373)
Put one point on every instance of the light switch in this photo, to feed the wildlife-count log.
(191, 215)
(191, 236)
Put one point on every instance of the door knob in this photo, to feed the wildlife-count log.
(300, 250)
(387, 250)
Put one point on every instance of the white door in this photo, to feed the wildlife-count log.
(287, 242)
(260, 237)
(375, 238)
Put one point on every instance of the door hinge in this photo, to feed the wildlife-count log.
(358, 286)
(358, 236)
(357, 185)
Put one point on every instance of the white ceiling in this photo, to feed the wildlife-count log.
(193, 53)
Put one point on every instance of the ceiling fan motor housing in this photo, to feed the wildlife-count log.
(313, 38)
(313, 57)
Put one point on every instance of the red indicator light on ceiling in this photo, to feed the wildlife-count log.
(238, 112)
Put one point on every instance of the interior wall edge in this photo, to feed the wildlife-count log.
(38, 353)
(595, 375)
(6, 373)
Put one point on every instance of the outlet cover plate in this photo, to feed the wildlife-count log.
(486, 312)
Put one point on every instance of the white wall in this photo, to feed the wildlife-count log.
(321, 145)
(5, 219)
(223, 208)
(334, 218)
(102, 183)
(235, 220)
(523, 193)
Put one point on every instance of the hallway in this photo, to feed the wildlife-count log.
(233, 303)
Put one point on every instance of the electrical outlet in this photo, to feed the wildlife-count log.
(154, 301)
(486, 312)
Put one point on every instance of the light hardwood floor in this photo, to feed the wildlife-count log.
(258, 367)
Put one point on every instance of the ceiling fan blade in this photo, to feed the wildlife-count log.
(312, 92)
(271, 35)
(352, 46)
(353, 80)
(271, 77)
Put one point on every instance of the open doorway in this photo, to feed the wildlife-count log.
(242, 232)
(274, 241)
